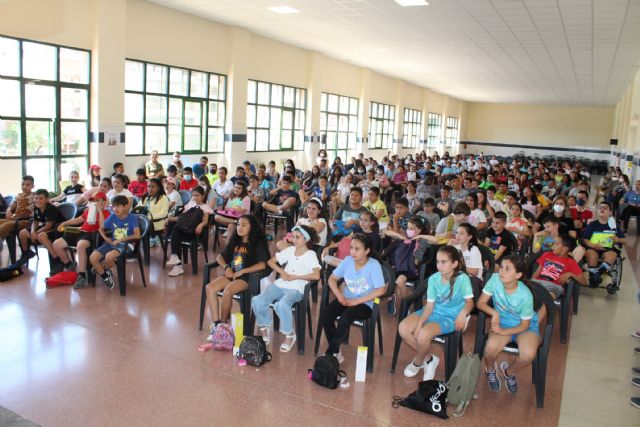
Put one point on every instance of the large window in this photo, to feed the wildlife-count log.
(381, 125)
(173, 109)
(338, 125)
(453, 132)
(44, 108)
(434, 129)
(412, 128)
(275, 117)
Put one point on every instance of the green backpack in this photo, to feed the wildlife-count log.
(463, 381)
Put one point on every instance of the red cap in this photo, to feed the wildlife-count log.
(99, 196)
(94, 167)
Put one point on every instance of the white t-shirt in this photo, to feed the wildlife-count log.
(497, 205)
(322, 237)
(113, 193)
(472, 258)
(223, 189)
(176, 198)
(298, 265)
(476, 217)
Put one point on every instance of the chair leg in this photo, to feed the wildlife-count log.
(318, 333)
(541, 382)
(203, 304)
(379, 322)
(309, 321)
(194, 258)
(396, 351)
(122, 281)
(576, 297)
(371, 346)
(301, 315)
(11, 245)
(146, 247)
(144, 280)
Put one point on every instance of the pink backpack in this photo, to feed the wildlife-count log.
(223, 337)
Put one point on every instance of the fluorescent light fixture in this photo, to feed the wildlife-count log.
(412, 2)
(283, 9)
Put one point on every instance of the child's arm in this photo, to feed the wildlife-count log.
(376, 293)
(315, 275)
(205, 221)
(255, 267)
(333, 285)
(501, 250)
(461, 320)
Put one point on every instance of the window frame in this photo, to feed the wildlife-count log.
(352, 137)
(57, 156)
(452, 131)
(205, 103)
(411, 128)
(386, 120)
(295, 111)
(434, 129)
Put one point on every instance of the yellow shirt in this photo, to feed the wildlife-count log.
(375, 207)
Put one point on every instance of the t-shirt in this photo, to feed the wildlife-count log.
(138, 188)
(50, 213)
(238, 203)
(244, 255)
(188, 185)
(205, 208)
(73, 193)
(565, 223)
(298, 265)
(223, 189)
(447, 224)
(23, 205)
(121, 228)
(283, 195)
(322, 236)
(347, 213)
(375, 207)
(504, 238)
(176, 198)
(432, 217)
(476, 217)
(632, 198)
(446, 303)
(601, 234)
(113, 193)
(582, 216)
(90, 228)
(359, 283)
(554, 266)
(514, 307)
(472, 258)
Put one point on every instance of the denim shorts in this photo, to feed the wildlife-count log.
(105, 248)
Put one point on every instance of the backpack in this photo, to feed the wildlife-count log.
(64, 278)
(463, 381)
(326, 372)
(11, 271)
(223, 337)
(430, 398)
(189, 220)
(403, 258)
(254, 351)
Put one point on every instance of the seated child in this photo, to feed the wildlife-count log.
(500, 240)
(556, 267)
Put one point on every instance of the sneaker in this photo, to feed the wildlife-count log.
(173, 260)
(154, 241)
(493, 379)
(108, 281)
(340, 357)
(81, 282)
(391, 305)
(56, 267)
(635, 401)
(26, 255)
(594, 280)
(212, 329)
(636, 382)
(510, 382)
(430, 368)
(412, 370)
(176, 271)
(73, 265)
(635, 371)
(635, 334)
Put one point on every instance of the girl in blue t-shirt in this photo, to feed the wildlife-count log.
(512, 319)
(363, 282)
(449, 301)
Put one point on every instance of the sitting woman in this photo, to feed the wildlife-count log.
(237, 205)
(246, 252)
(449, 301)
(466, 241)
(186, 226)
(301, 267)
(312, 219)
(364, 282)
(157, 204)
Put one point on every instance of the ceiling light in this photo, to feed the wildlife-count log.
(283, 9)
(412, 2)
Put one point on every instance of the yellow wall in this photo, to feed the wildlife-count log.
(544, 125)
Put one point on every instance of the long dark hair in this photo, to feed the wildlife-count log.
(313, 235)
(244, 190)
(454, 255)
(256, 233)
(367, 243)
(375, 225)
(471, 231)
(160, 192)
(207, 186)
(422, 224)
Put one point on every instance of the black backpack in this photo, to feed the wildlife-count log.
(430, 398)
(189, 220)
(254, 351)
(326, 372)
(11, 271)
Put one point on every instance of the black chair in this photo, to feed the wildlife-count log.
(567, 299)
(452, 342)
(243, 298)
(7, 202)
(190, 246)
(144, 225)
(13, 236)
(368, 326)
(539, 365)
(289, 217)
(161, 234)
(488, 262)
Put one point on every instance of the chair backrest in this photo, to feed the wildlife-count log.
(488, 258)
(389, 278)
(8, 200)
(68, 210)
(186, 196)
(143, 224)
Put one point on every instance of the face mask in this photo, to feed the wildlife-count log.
(411, 234)
(187, 178)
(558, 208)
(213, 171)
(581, 202)
(360, 170)
(510, 182)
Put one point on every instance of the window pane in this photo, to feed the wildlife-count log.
(300, 119)
(251, 92)
(276, 95)
(298, 140)
(39, 61)
(179, 82)
(9, 57)
(287, 139)
(251, 116)
(175, 111)
(155, 138)
(344, 105)
(263, 117)
(262, 140)
(287, 119)
(74, 138)
(301, 98)
(198, 84)
(192, 139)
(134, 140)
(175, 138)
(74, 66)
(42, 171)
(323, 101)
(133, 110)
(215, 140)
(263, 93)
(9, 98)
(251, 140)
(73, 103)
(9, 138)
(40, 101)
(40, 138)
(193, 113)
(73, 164)
(156, 78)
(216, 88)
(289, 95)
(353, 106)
(333, 104)
(134, 76)
(156, 109)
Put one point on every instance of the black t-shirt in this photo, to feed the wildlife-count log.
(284, 195)
(565, 224)
(244, 255)
(49, 214)
(73, 189)
(504, 238)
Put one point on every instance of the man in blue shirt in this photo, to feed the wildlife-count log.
(200, 169)
(631, 203)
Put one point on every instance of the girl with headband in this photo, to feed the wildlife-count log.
(300, 266)
(313, 218)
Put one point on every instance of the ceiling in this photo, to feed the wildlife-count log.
(579, 52)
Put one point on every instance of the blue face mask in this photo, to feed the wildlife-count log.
(581, 202)
(187, 177)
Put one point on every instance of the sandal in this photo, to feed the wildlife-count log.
(284, 347)
(264, 331)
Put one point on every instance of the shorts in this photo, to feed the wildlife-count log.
(605, 250)
(72, 239)
(447, 325)
(105, 248)
(551, 287)
(533, 327)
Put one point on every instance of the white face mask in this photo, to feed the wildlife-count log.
(558, 208)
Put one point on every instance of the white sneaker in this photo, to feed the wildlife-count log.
(340, 357)
(176, 271)
(173, 260)
(430, 368)
(412, 370)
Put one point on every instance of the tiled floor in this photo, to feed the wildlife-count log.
(70, 358)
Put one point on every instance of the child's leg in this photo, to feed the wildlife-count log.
(269, 207)
(493, 348)
(223, 220)
(96, 258)
(283, 309)
(592, 257)
(82, 247)
(43, 239)
(427, 333)
(401, 289)
(578, 254)
(358, 312)
(406, 328)
(60, 249)
(230, 290)
(24, 236)
(260, 305)
(212, 290)
(111, 258)
(333, 310)
(528, 343)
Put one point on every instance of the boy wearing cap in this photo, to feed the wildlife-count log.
(89, 222)
(139, 187)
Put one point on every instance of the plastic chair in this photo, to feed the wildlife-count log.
(488, 262)
(143, 224)
(186, 196)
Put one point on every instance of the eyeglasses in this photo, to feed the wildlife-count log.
(507, 269)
